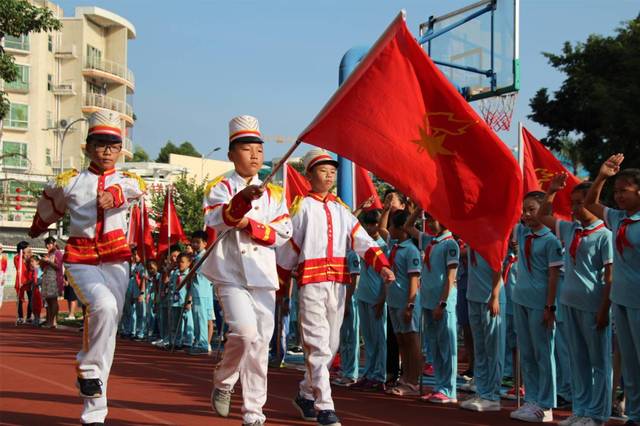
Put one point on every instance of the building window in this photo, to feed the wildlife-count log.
(94, 56)
(18, 43)
(47, 159)
(50, 42)
(50, 120)
(49, 82)
(22, 81)
(14, 155)
(18, 116)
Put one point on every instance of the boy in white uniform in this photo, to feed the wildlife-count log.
(97, 254)
(323, 229)
(250, 221)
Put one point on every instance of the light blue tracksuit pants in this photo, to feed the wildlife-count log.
(627, 322)
(350, 342)
(184, 335)
(374, 332)
(201, 311)
(563, 359)
(536, 343)
(139, 319)
(488, 349)
(443, 335)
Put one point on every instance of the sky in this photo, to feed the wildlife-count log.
(199, 63)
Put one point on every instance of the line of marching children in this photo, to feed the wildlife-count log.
(564, 287)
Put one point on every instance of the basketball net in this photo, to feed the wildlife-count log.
(497, 110)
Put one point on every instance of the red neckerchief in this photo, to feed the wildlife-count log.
(427, 251)
(577, 238)
(392, 256)
(505, 272)
(527, 249)
(621, 236)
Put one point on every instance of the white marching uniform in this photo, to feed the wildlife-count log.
(96, 262)
(323, 230)
(242, 267)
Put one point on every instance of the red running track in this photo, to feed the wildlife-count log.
(152, 387)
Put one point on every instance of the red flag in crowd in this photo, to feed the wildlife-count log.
(364, 188)
(539, 167)
(295, 184)
(398, 116)
(170, 227)
(140, 231)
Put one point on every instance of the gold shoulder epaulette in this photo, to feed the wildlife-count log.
(213, 183)
(131, 175)
(342, 203)
(295, 205)
(63, 178)
(277, 192)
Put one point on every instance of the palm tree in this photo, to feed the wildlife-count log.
(570, 152)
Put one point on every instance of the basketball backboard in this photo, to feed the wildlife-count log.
(476, 47)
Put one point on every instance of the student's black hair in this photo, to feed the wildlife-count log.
(49, 240)
(631, 175)
(582, 186)
(536, 195)
(403, 198)
(22, 245)
(200, 234)
(184, 254)
(175, 247)
(152, 262)
(370, 217)
(399, 218)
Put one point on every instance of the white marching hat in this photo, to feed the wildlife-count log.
(244, 129)
(317, 156)
(105, 125)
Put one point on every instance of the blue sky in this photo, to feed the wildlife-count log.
(199, 63)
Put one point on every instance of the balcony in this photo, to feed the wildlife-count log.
(17, 44)
(109, 71)
(17, 86)
(93, 101)
(65, 89)
(66, 52)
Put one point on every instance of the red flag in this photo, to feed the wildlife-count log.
(146, 245)
(170, 227)
(364, 188)
(133, 233)
(295, 184)
(539, 167)
(398, 116)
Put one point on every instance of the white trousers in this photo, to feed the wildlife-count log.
(321, 311)
(249, 314)
(101, 288)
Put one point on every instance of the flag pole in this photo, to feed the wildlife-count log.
(517, 366)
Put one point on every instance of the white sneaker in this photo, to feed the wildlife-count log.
(516, 413)
(469, 386)
(480, 404)
(537, 414)
(573, 420)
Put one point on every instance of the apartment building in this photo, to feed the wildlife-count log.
(64, 76)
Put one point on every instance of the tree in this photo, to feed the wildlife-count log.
(187, 197)
(139, 154)
(19, 17)
(570, 152)
(599, 101)
(185, 148)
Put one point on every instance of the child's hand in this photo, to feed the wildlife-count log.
(105, 200)
(549, 319)
(602, 318)
(387, 275)
(438, 313)
(367, 203)
(244, 222)
(408, 315)
(252, 192)
(378, 308)
(141, 298)
(612, 166)
(494, 306)
(558, 182)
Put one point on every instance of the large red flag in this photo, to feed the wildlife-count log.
(170, 227)
(364, 188)
(539, 167)
(295, 184)
(398, 116)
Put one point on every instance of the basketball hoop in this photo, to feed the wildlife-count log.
(497, 110)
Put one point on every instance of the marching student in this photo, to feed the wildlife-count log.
(372, 309)
(625, 297)
(202, 299)
(534, 297)
(251, 220)
(486, 302)
(438, 297)
(323, 230)
(584, 302)
(97, 254)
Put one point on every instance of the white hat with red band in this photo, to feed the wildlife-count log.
(105, 123)
(316, 156)
(244, 129)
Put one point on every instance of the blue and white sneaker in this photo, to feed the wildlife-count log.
(305, 407)
(328, 418)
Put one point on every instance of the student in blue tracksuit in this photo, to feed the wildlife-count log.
(372, 309)
(181, 327)
(438, 297)
(153, 281)
(486, 301)
(201, 299)
(584, 302)
(625, 290)
(534, 297)
(350, 329)
(509, 274)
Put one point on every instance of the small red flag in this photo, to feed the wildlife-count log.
(539, 167)
(295, 184)
(146, 246)
(364, 188)
(134, 226)
(398, 116)
(170, 227)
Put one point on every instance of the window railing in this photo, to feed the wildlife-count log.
(107, 102)
(110, 67)
(17, 43)
(18, 85)
(16, 123)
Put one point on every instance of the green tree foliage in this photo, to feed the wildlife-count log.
(139, 154)
(185, 148)
(187, 197)
(19, 17)
(599, 101)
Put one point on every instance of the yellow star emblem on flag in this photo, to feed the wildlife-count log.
(437, 126)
